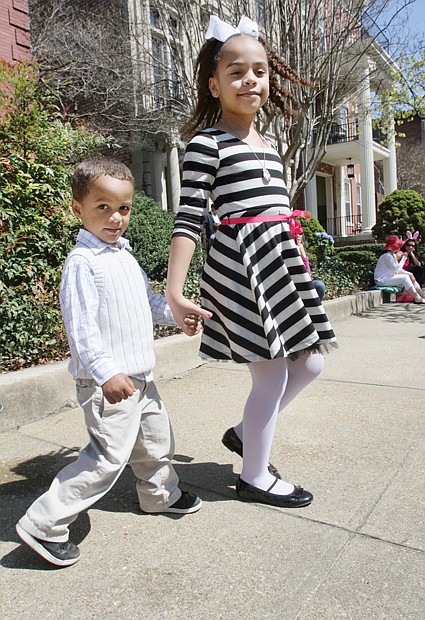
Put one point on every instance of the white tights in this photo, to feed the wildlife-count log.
(275, 383)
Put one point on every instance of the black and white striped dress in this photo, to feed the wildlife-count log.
(254, 281)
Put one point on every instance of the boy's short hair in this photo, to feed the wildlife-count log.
(90, 169)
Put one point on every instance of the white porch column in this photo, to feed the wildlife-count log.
(390, 167)
(310, 197)
(366, 154)
(340, 199)
(174, 172)
(158, 179)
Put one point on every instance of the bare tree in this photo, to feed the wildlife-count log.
(334, 44)
(130, 65)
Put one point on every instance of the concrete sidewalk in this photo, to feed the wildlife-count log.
(355, 438)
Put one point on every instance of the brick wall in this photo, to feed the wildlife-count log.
(14, 30)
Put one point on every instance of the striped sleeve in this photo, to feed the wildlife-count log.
(200, 166)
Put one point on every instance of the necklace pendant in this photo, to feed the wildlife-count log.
(266, 175)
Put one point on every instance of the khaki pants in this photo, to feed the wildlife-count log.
(135, 431)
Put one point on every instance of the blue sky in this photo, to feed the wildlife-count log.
(406, 37)
(417, 16)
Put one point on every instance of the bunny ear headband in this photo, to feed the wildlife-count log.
(217, 29)
(414, 236)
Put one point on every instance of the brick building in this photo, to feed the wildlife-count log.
(14, 30)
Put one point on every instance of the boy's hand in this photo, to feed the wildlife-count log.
(188, 315)
(118, 388)
(192, 324)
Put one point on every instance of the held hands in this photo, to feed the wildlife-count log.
(118, 388)
(188, 315)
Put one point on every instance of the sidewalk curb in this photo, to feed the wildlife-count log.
(35, 393)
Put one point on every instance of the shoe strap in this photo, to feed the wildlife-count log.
(270, 488)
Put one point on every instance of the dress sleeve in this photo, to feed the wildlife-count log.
(200, 166)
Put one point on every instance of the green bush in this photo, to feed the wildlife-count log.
(311, 227)
(357, 257)
(375, 248)
(342, 277)
(402, 210)
(36, 227)
(149, 232)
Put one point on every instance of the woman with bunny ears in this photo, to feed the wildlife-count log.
(410, 251)
(259, 305)
(389, 269)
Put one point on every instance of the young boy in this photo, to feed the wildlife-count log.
(108, 307)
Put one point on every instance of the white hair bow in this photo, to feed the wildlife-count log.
(217, 29)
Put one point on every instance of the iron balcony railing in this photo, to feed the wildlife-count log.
(343, 226)
(348, 132)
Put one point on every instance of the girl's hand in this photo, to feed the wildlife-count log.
(188, 315)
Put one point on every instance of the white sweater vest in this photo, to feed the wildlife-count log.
(124, 315)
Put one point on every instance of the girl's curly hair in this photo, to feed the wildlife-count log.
(208, 111)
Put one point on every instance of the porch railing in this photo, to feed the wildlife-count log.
(348, 132)
(348, 225)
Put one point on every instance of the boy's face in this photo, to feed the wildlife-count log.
(105, 209)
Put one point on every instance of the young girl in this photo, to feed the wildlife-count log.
(259, 305)
(299, 242)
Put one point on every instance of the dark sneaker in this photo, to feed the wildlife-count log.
(234, 444)
(185, 505)
(61, 554)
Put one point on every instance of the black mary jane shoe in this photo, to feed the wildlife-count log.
(297, 499)
(234, 444)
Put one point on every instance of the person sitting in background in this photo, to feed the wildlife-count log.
(299, 240)
(211, 224)
(389, 270)
(413, 264)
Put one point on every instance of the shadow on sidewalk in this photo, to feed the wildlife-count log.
(31, 478)
(397, 313)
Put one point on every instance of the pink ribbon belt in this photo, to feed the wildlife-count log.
(278, 217)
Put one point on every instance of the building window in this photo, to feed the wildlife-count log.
(175, 27)
(158, 68)
(176, 85)
(359, 203)
(343, 122)
(154, 17)
(167, 52)
(158, 55)
(348, 204)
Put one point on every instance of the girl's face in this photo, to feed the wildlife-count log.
(241, 78)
